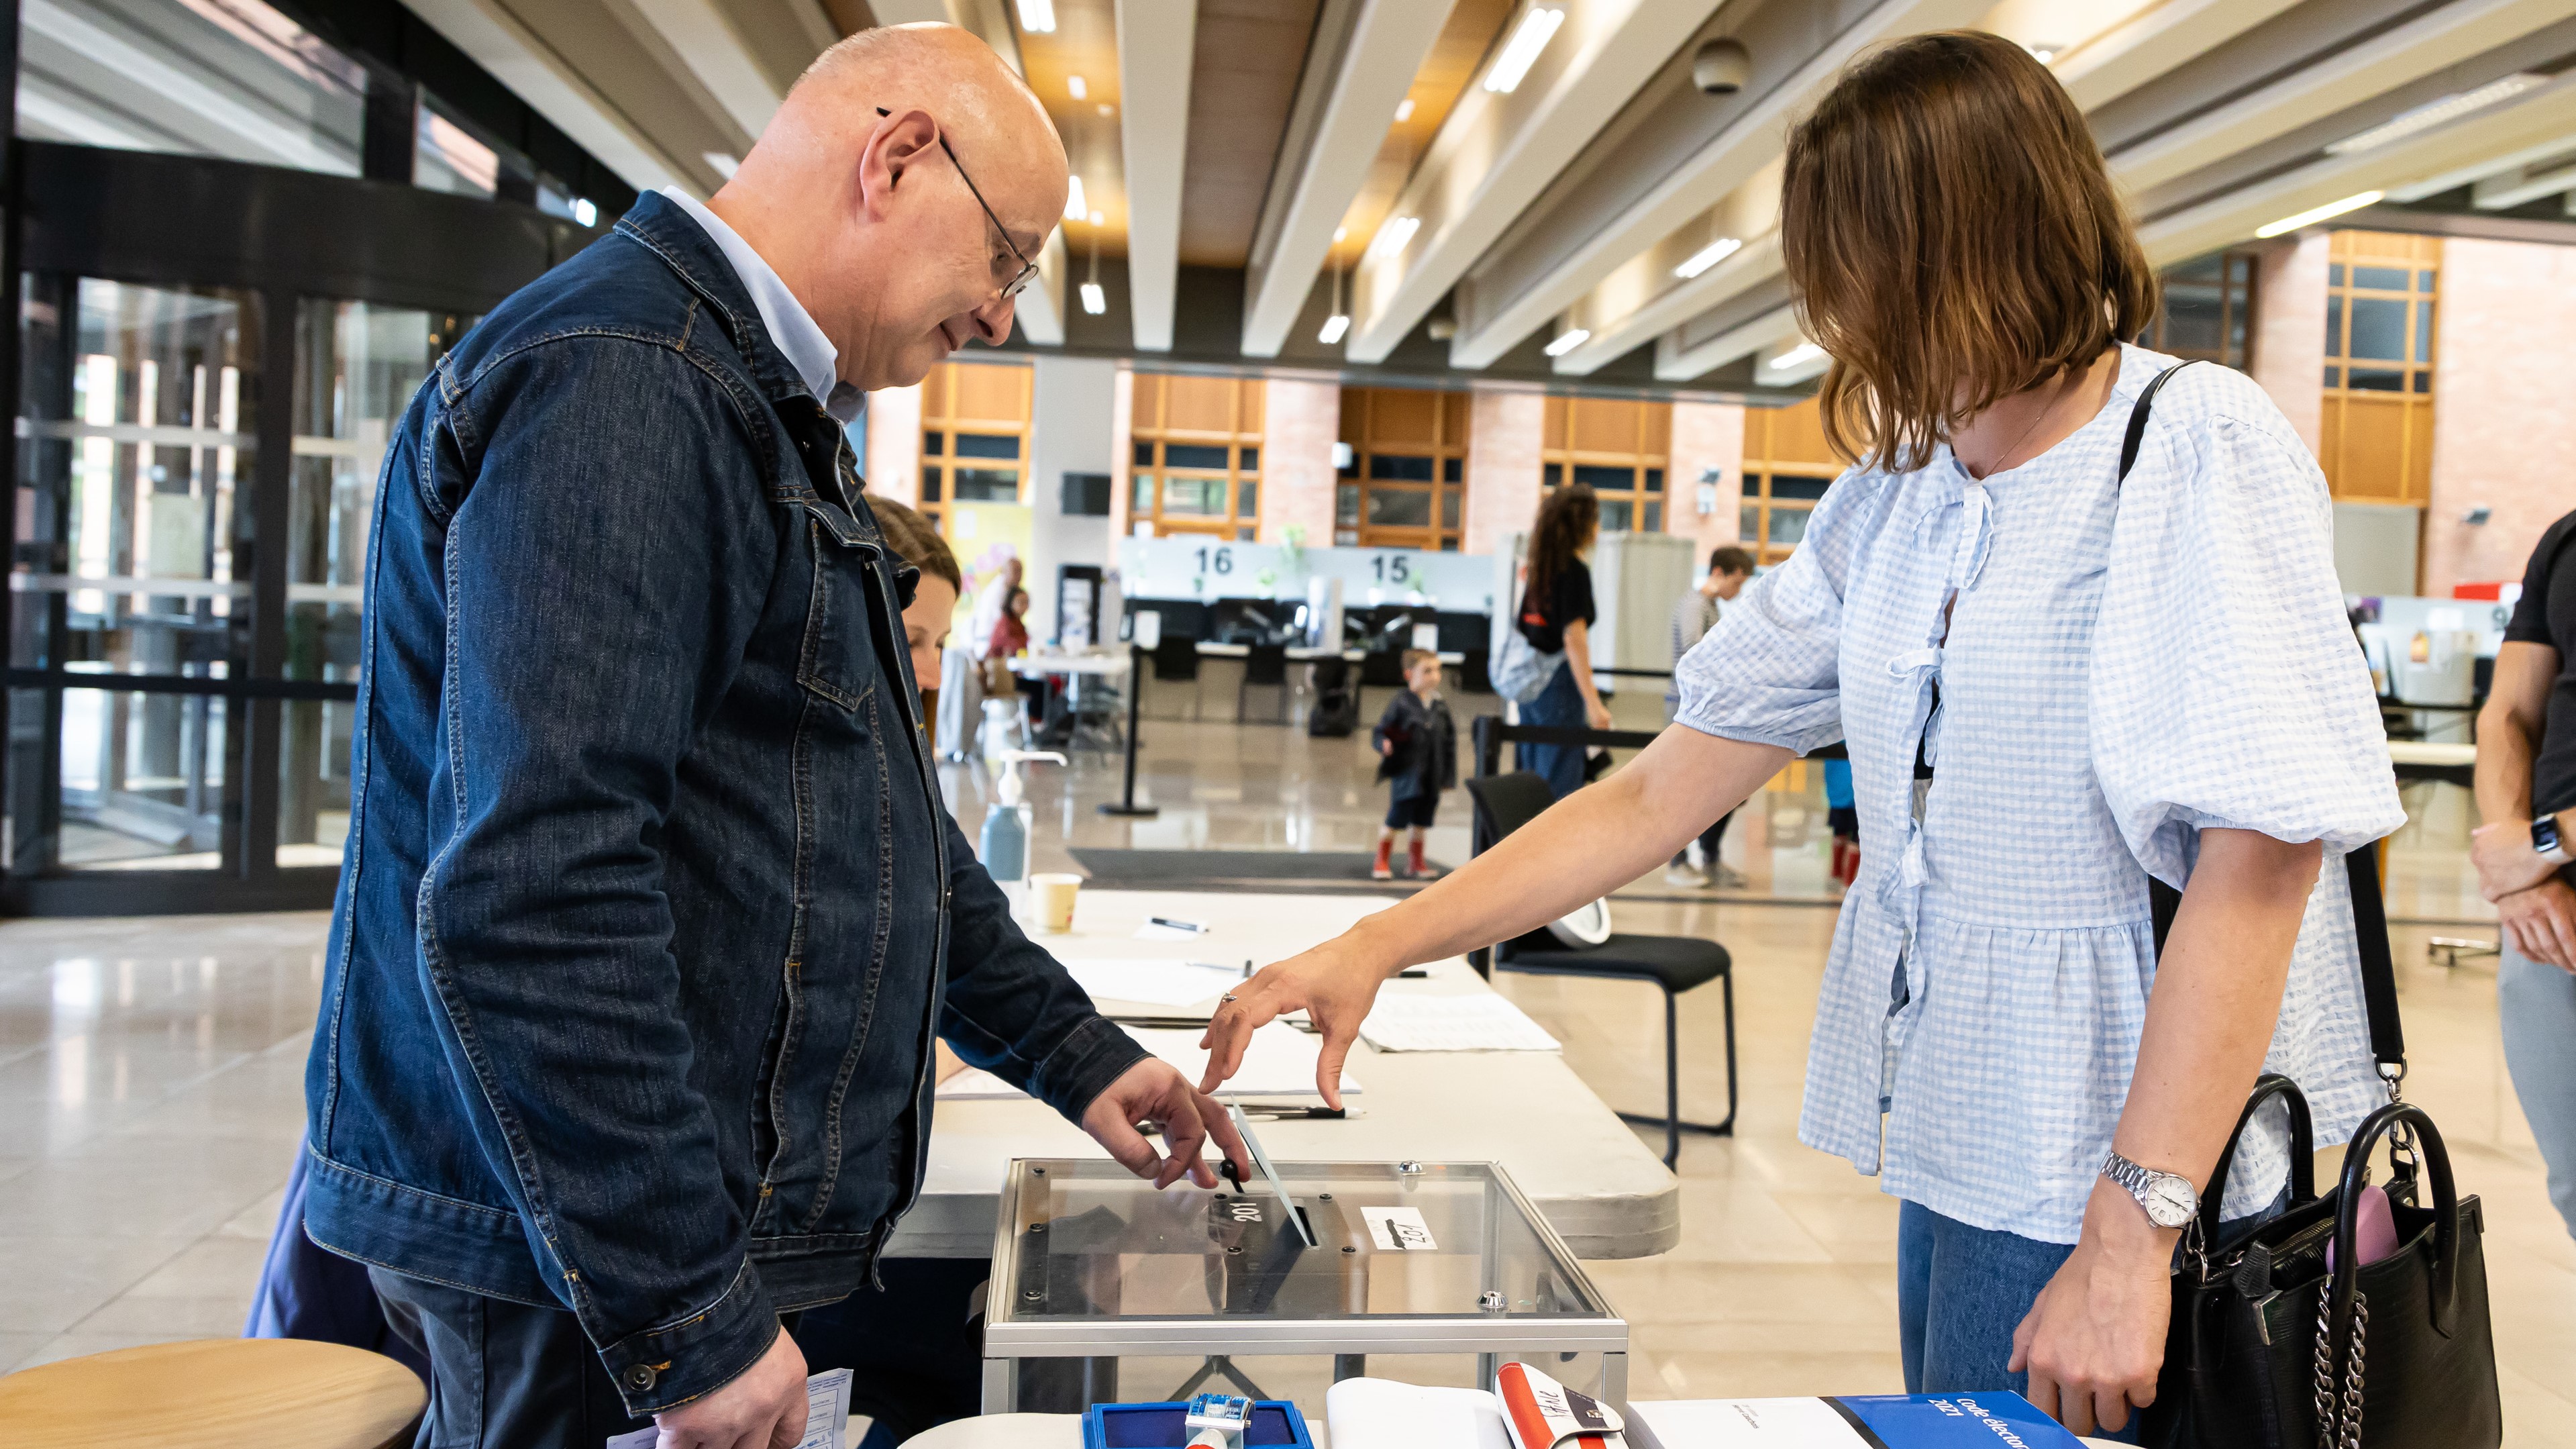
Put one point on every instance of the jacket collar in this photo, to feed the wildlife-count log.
(685, 247)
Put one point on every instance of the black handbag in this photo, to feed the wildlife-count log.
(2268, 1348)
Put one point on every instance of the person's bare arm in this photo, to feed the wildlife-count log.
(1590, 843)
(2509, 731)
(2095, 1338)
(1578, 657)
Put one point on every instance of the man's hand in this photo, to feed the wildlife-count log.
(2540, 922)
(1335, 983)
(763, 1407)
(2505, 860)
(1154, 1093)
(2096, 1337)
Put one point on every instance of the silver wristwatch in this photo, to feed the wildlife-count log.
(2170, 1201)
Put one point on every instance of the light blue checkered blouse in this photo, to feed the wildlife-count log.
(2123, 667)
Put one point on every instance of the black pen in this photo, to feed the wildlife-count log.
(1193, 927)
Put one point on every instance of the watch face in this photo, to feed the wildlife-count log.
(2170, 1201)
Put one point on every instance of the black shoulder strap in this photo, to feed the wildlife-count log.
(2369, 911)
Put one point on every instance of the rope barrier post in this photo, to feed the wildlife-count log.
(1126, 804)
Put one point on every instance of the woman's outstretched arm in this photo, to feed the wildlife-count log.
(1590, 843)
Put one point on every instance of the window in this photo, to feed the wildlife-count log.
(974, 438)
(1787, 468)
(1616, 448)
(1196, 456)
(2208, 311)
(2376, 429)
(1405, 486)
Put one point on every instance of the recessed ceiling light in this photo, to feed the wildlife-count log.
(1095, 218)
(1080, 88)
(724, 163)
(1339, 233)
(2435, 112)
(1334, 327)
(1075, 208)
(1537, 26)
(1107, 109)
(1798, 356)
(2315, 214)
(1037, 16)
(1404, 110)
(1708, 256)
(1568, 341)
(1094, 301)
(1395, 235)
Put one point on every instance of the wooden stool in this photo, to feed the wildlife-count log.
(215, 1393)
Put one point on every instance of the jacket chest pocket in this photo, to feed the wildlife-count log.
(838, 661)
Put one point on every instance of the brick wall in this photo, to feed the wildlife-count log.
(2504, 433)
(2290, 330)
(1505, 434)
(1301, 420)
(1705, 435)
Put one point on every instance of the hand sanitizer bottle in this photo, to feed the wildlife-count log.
(1005, 847)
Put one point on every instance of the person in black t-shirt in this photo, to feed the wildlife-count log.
(1557, 615)
(2527, 797)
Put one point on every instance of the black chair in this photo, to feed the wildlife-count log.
(1675, 964)
(1176, 660)
(1265, 666)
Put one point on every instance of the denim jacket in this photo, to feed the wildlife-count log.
(650, 907)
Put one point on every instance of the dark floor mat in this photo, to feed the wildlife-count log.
(1111, 869)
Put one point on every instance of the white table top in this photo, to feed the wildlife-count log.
(1306, 654)
(2428, 752)
(1602, 1189)
(1034, 665)
(1064, 1431)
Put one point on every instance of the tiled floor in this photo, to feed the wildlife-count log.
(150, 1093)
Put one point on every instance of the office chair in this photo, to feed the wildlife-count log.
(1265, 666)
(1675, 964)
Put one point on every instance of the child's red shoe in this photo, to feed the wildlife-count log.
(1415, 864)
(1385, 867)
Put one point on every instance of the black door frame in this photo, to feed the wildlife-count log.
(283, 235)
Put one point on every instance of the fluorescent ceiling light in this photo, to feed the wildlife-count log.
(1037, 16)
(1404, 110)
(1708, 256)
(2044, 51)
(1075, 208)
(1080, 88)
(1339, 233)
(1395, 235)
(1798, 356)
(1095, 218)
(2436, 112)
(1568, 341)
(584, 212)
(724, 162)
(1538, 24)
(1334, 327)
(2315, 214)
(1094, 301)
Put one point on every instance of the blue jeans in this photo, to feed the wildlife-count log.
(2538, 1003)
(1960, 1293)
(1560, 706)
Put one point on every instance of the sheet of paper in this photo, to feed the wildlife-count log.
(1383, 1414)
(827, 1416)
(1155, 983)
(1399, 1229)
(1278, 1062)
(1746, 1424)
(1474, 1022)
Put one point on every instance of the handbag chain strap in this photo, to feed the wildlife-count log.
(2339, 1425)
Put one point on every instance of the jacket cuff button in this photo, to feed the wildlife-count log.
(640, 1377)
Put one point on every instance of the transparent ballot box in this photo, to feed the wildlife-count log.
(1092, 1265)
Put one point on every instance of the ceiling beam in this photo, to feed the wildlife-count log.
(703, 40)
(1673, 153)
(2539, 117)
(1365, 56)
(1156, 50)
(536, 73)
(1678, 360)
(2392, 58)
(2501, 193)
(1498, 151)
(2154, 42)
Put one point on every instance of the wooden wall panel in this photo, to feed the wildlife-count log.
(1605, 425)
(1404, 416)
(989, 394)
(1200, 404)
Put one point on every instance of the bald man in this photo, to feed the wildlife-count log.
(651, 910)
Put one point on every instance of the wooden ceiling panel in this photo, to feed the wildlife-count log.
(1472, 29)
(1084, 45)
(1243, 81)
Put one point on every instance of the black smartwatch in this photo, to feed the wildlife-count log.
(2545, 840)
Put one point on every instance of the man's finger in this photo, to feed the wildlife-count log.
(789, 1431)
(1229, 1141)
(1183, 1134)
(1127, 1146)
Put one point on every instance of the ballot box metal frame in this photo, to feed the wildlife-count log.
(1013, 1335)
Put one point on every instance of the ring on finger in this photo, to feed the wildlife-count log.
(1226, 1000)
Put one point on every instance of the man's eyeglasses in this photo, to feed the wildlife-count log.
(1028, 271)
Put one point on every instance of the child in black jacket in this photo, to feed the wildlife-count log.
(1417, 744)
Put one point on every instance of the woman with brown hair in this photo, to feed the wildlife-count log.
(1556, 616)
(2113, 679)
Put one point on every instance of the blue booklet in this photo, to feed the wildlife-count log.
(1996, 1420)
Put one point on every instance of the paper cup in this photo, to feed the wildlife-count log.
(1052, 896)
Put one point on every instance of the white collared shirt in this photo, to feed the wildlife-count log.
(791, 327)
